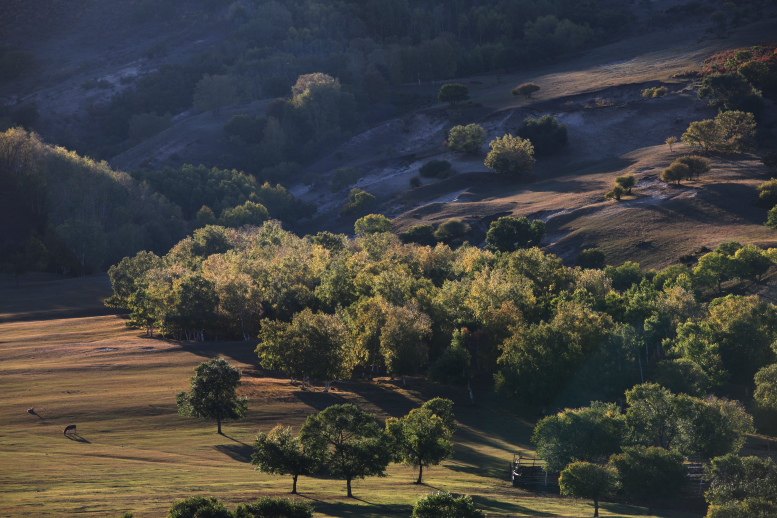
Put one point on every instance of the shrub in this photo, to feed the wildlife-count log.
(372, 224)
(345, 177)
(526, 90)
(451, 230)
(767, 193)
(358, 201)
(510, 155)
(436, 169)
(469, 138)
(421, 234)
(656, 91)
(545, 133)
(453, 93)
(593, 258)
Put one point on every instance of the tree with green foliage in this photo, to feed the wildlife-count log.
(615, 193)
(347, 442)
(129, 282)
(737, 480)
(526, 90)
(213, 393)
(692, 426)
(453, 93)
(683, 376)
(697, 165)
(508, 233)
(199, 507)
(313, 345)
(420, 234)
(249, 213)
(730, 91)
(435, 169)
(589, 481)
(280, 453)
(404, 340)
(450, 231)
(546, 134)
(591, 258)
(767, 193)
(728, 132)
(676, 172)
(627, 182)
(650, 473)
(510, 155)
(445, 505)
(589, 434)
(371, 224)
(270, 507)
(764, 407)
(469, 138)
(421, 439)
(359, 200)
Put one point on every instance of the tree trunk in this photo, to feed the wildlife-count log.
(596, 507)
(420, 472)
(348, 487)
(294, 485)
(218, 422)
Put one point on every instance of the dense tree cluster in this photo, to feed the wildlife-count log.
(74, 214)
(550, 334)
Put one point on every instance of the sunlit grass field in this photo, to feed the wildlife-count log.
(133, 453)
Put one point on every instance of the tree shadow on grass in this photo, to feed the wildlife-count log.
(502, 507)
(469, 460)
(319, 400)
(361, 509)
(240, 452)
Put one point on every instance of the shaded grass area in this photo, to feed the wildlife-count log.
(133, 453)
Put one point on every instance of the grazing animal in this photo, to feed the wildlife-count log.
(31, 411)
(70, 428)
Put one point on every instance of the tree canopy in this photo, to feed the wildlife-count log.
(213, 393)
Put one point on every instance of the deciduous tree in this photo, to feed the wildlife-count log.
(280, 453)
(590, 481)
(510, 155)
(348, 443)
(213, 393)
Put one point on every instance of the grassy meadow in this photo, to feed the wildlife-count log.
(134, 453)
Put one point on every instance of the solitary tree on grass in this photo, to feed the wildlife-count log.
(348, 443)
(526, 89)
(590, 481)
(453, 93)
(213, 393)
(422, 438)
(280, 453)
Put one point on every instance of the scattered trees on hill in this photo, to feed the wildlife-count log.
(213, 393)
(510, 155)
(453, 93)
(526, 90)
(686, 168)
(469, 138)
